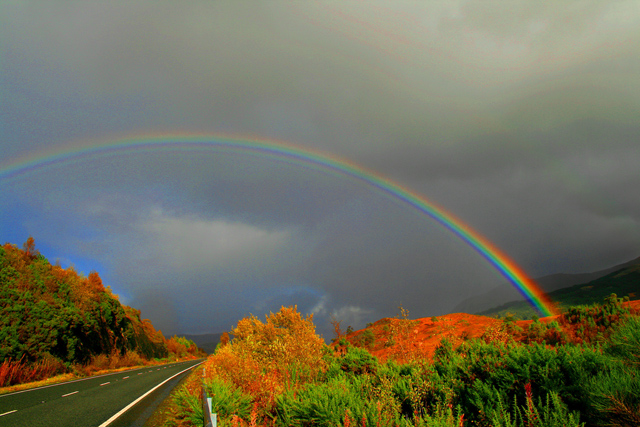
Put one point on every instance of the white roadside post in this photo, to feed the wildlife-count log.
(210, 419)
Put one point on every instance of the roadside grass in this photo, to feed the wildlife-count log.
(76, 372)
(35, 384)
(183, 407)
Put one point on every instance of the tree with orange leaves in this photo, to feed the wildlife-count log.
(224, 339)
(29, 248)
(266, 356)
(285, 340)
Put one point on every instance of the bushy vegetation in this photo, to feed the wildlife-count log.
(266, 359)
(54, 320)
(546, 375)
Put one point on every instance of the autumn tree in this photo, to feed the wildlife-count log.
(224, 339)
(264, 356)
(286, 339)
(94, 282)
(337, 329)
(29, 248)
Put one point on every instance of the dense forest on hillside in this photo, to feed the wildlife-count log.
(581, 368)
(52, 319)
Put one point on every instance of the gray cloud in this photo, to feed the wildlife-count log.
(519, 117)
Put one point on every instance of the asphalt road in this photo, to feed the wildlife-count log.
(84, 403)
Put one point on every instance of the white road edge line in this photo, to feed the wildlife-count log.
(69, 382)
(69, 394)
(108, 382)
(7, 413)
(130, 405)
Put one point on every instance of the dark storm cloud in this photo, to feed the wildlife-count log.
(519, 117)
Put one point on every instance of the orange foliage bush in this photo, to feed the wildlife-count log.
(115, 360)
(264, 385)
(182, 347)
(18, 371)
(264, 359)
(224, 339)
(286, 341)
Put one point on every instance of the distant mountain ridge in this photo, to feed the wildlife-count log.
(506, 293)
(622, 282)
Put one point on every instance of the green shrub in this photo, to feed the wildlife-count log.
(625, 342)
(443, 416)
(358, 361)
(362, 400)
(615, 393)
(322, 404)
(615, 397)
(477, 375)
(227, 400)
(365, 339)
(552, 413)
(190, 407)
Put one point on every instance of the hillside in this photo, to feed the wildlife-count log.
(393, 338)
(402, 339)
(56, 317)
(506, 293)
(623, 282)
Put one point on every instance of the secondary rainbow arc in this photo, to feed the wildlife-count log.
(297, 155)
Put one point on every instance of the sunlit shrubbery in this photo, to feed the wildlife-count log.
(266, 359)
(268, 376)
(180, 347)
(115, 360)
(286, 342)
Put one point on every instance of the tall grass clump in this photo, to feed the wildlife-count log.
(185, 408)
(19, 371)
(551, 412)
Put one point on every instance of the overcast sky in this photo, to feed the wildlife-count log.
(521, 118)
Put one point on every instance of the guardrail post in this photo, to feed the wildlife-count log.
(210, 420)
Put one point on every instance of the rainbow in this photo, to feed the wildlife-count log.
(305, 157)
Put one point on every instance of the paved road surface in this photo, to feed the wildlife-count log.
(83, 403)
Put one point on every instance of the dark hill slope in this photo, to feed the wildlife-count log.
(507, 294)
(623, 282)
